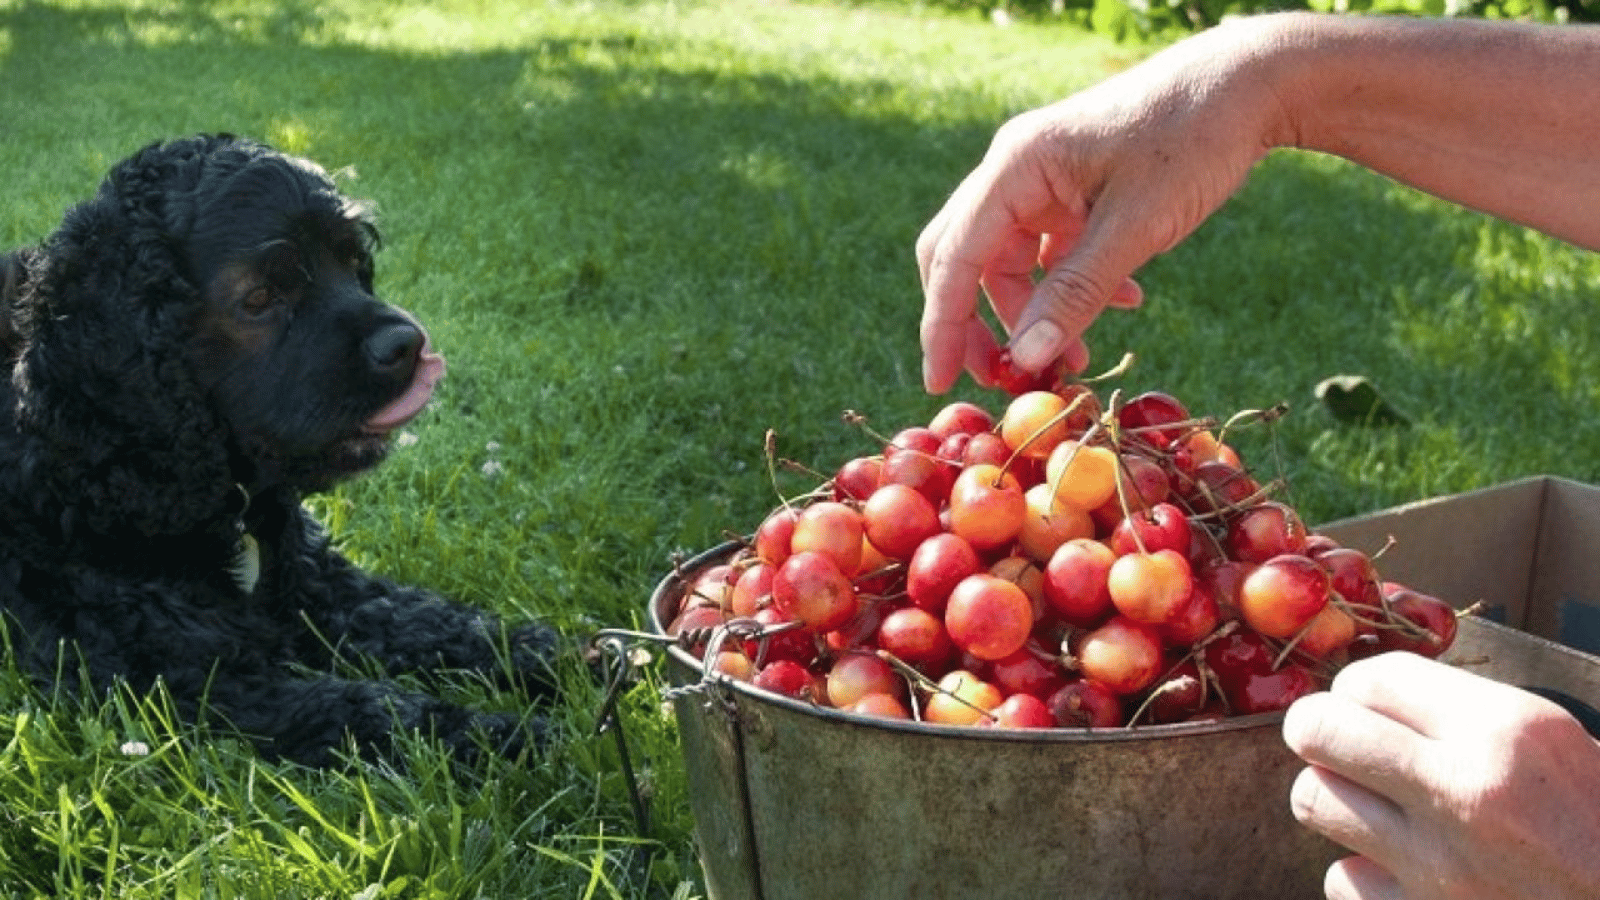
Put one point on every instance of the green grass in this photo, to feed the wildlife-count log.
(643, 234)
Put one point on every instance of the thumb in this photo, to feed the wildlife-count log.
(1065, 302)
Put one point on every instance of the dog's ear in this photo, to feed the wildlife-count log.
(13, 272)
(122, 432)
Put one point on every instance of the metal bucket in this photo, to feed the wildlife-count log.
(796, 801)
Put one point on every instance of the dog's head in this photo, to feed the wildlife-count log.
(207, 321)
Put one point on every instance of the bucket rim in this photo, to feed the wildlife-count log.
(681, 657)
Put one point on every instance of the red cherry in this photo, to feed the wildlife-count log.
(1163, 527)
(810, 587)
(897, 519)
(936, 567)
(1177, 696)
(1266, 530)
(1270, 691)
(1007, 376)
(1435, 619)
(1075, 581)
(858, 478)
(1022, 711)
(916, 636)
(917, 438)
(1030, 670)
(1142, 416)
(784, 676)
(1084, 703)
(960, 417)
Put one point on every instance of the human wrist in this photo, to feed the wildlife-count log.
(1289, 60)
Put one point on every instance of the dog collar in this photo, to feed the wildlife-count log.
(246, 565)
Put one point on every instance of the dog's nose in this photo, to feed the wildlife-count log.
(393, 346)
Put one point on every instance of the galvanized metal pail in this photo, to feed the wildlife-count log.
(796, 802)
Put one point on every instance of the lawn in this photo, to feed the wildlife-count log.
(644, 234)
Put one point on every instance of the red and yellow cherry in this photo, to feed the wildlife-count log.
(962, 699)
(1050, 522)
(1034, 423)
(832, 529)
(1124, 655)
(1282, 594)
(988, 617)
(1150, 588)
(882, 706)
(987, 507)
(1329, 631)
(858, 673)
(1084, 475)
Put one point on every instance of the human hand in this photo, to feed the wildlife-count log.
(1447, 785)
(1088, 190)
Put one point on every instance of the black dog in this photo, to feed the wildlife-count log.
(196, 348)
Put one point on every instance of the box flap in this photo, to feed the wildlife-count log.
(1479, 546)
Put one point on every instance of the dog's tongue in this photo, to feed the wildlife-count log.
(430, 368)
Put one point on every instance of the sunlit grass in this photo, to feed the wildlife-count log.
(643, 234)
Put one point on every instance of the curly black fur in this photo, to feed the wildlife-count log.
(191, 352)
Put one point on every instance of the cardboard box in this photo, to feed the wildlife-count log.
(1526, 550)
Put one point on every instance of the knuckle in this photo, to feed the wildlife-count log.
(1073, 294)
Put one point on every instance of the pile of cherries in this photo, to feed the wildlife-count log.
(1074, 562)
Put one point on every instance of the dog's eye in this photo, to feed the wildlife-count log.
(262, 301)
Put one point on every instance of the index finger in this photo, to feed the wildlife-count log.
(1427, 696)
(951, 255)
(1360, 744)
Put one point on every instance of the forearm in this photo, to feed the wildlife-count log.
(1499, 117)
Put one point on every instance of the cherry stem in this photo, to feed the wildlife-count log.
(1253, 417)
(1116, 371)
(918, 680)
(1050, 423)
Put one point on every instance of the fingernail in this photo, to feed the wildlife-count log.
(1037, 347)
